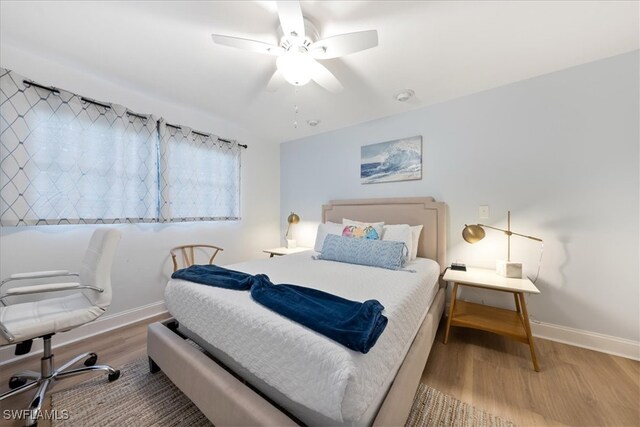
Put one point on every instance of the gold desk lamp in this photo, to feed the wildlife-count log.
(475, 232)
(291, 219)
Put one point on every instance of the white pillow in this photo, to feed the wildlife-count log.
(323, 230)
(399, 233)
(415, 237)
(377, 226)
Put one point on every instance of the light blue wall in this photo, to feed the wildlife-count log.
(560, 150)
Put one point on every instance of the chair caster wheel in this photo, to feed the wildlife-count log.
(114, 376)
(92, 360)
(15, 382)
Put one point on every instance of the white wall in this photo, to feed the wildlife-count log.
(560, 151)
(142, 263)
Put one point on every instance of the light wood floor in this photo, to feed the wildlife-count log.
(114, 348)
(574, 387)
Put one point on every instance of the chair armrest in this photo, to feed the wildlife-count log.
(49, 287)
(38, 275)
(8, 335)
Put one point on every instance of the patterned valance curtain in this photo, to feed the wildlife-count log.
(199, 175)
(66, 159)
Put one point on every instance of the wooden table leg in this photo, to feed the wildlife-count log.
(515, 296)
(452, 305)
(527, 328)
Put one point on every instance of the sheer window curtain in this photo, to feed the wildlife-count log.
(65, 159)
(199, 176)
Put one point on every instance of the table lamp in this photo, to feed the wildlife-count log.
(475, 232)
(291, 219)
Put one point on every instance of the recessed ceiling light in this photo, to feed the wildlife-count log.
(313, 122)
(404, 95)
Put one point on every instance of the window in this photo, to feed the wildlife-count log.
(200, 176)
(66, 159)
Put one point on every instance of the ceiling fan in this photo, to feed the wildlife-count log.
(300, 48)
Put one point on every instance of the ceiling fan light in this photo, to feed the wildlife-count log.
(293, 66)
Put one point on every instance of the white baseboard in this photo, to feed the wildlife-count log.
(585, 339)
(103, 324)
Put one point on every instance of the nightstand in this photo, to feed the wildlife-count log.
(510, 323)
(284, 251)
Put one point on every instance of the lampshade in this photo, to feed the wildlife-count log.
(293, 218)
(473, 233)
(294, 67)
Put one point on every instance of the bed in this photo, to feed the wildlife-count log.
(259, 368)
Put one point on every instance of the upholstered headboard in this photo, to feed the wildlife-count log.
(407, 210)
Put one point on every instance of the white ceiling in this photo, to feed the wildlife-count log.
(440, 49)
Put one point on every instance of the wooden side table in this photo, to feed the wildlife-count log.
(510, 323)
(284, 251)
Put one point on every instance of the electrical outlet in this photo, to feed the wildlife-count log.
(483, 212)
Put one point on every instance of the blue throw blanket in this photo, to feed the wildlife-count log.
(356, 325)
(213, 275)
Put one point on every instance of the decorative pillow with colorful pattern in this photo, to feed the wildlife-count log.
(367, 232)
(362, 230)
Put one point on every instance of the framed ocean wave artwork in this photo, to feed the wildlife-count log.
(391, 161)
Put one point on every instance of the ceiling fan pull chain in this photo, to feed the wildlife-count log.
(295, 109)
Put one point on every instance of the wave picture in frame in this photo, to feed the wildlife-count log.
(391, 161)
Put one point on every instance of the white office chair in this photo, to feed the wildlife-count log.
(20, 323)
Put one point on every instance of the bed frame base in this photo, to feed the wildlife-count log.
(221, 397)
(396, 407)
(228, 401)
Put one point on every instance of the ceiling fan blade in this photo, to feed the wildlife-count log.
(344, 44)
(291, 20)
(324, 77)
(276, 81)
(246, 44)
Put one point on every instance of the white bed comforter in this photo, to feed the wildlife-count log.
(305, 366)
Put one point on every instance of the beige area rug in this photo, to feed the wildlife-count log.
(140, 398)
(433, 408)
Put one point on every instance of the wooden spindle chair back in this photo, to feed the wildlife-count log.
(188, 255)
